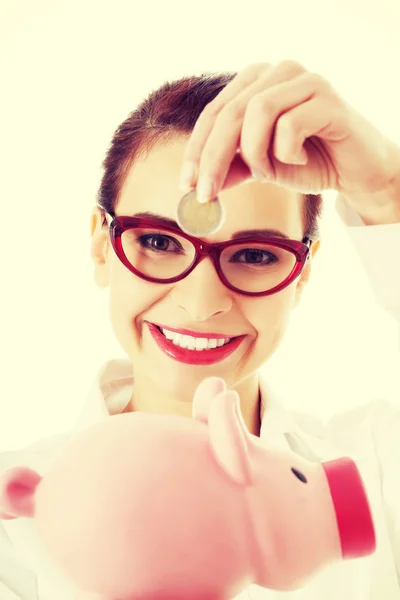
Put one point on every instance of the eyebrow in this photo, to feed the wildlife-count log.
(268, 232)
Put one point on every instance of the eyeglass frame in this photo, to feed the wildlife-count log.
(119, 224)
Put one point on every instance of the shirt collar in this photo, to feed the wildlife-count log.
(112, 389)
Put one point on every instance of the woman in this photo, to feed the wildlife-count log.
(289, 136)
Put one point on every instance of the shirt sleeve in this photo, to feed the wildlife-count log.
(379, 249)
(18, 581)
(387, 442)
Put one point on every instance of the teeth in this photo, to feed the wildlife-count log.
(169, 334)
(199, 344)
(191, 342)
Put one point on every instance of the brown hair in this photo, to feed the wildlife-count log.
(168, 112)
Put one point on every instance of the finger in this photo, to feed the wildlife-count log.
(224, 138)
(319, 117)
(262, 114)
(238, 173)
(205, 122)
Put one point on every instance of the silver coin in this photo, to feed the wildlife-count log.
(199, 219)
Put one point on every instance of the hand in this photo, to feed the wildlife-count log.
(292, 128)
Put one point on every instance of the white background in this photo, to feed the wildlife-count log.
(70, 73)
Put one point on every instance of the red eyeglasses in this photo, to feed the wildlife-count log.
(253, 266)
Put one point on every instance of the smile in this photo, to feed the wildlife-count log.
(189, 349)
(194, 343)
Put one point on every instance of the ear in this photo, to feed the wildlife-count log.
(229, 437)
(99, 248)
(306, 273)
(204, 396)
(17, 492)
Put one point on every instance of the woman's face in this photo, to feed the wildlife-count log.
(199, 303)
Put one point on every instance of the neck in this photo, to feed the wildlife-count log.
(148, 397)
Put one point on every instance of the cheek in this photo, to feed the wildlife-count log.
(129, 299)
(269, 316)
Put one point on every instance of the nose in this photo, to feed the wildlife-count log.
(202, 294)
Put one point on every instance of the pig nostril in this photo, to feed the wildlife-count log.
(299, 475)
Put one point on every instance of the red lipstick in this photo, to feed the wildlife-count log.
(194, 357)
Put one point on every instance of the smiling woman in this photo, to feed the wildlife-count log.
(185, 308)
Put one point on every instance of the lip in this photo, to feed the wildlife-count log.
(196, 334)
(193, 357)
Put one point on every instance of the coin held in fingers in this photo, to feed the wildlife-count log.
(199, 219)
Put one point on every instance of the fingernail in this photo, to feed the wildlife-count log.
(205, 189)
(260, 176)
(188, 176)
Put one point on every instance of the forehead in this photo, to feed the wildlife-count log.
(152, 184)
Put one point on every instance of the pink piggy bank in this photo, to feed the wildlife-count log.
(167, 507)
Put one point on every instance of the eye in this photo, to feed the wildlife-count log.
(159, 242)
(299, 475)
(254, 256)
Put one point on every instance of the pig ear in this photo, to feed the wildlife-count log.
(229, 437)
(204, 396)
(17, 492)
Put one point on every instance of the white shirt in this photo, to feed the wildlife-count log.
(369, 434)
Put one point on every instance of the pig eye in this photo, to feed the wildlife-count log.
(299, 475)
